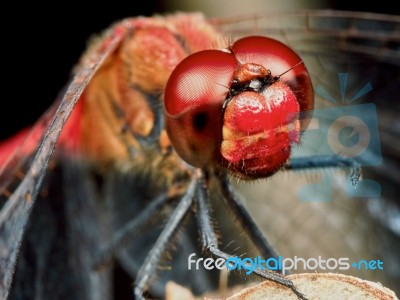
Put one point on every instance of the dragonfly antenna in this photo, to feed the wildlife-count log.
(279, 76)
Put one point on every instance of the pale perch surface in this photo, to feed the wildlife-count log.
(316, 286)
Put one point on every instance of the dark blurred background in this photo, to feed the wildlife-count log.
(43, 43)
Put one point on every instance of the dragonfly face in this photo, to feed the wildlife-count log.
(235, 110)
(120, 169)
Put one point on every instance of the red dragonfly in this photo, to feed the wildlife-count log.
(108, 139)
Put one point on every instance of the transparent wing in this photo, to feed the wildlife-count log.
(31, 160)
(353, 59)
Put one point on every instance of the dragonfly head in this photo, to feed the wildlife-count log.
(239, 107)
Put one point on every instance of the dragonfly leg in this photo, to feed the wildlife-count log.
(150, 264)
(243, 216)
(326, 161)
(210, 243)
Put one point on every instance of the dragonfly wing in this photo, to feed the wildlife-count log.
(16, 210)
(346, 54)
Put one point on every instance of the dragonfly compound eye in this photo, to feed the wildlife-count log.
(238, 108)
